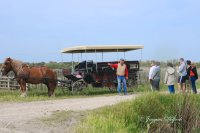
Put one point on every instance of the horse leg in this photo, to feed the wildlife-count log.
(25, 89)
(51, 87)
(49, 93)
(21, 88)
(23, 84)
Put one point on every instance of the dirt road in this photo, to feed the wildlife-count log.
(22, 117)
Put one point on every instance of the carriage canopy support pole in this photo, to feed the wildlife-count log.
(141, 55)
(124, 55)
(117, 54)
(96, 58)
(102, 56)
(72, 62)
(86, 60)
(81, 57)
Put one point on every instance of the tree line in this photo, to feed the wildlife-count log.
(68, 65)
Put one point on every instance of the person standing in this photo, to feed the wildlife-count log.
(157, 75)
(170, 78)
(122, 74)
(188, 82)
(182, 75)
(193, 75)
(154, 75)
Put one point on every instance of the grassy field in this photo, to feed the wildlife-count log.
(153, 113)
(37, 94)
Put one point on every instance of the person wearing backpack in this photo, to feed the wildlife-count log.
(170, 78)
(193, 75)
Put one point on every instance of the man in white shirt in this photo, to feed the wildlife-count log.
(154, 75)
(182, 75)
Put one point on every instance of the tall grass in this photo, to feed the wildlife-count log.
(153, 113)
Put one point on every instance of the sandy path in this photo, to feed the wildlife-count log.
(14, 116)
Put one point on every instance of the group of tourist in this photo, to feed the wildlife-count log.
(186, 73)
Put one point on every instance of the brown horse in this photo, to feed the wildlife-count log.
(34, 75)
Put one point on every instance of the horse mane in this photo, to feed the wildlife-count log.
(16, 65)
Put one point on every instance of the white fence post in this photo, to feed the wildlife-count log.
(8, 83)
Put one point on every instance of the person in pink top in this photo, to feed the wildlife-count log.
(122, 74)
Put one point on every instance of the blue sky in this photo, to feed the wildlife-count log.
(36, 30)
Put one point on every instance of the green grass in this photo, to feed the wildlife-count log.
(198, 84)
(137, 116)
(38, 94)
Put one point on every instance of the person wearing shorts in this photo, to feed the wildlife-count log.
(182, 76)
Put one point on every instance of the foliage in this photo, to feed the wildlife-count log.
(53, 65)
(153, 113)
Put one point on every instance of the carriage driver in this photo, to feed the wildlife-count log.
(122, 74)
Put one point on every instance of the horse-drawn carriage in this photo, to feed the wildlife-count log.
(98, 74)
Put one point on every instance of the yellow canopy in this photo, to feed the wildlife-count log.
(101, 48)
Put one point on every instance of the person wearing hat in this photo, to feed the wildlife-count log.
(122, 74)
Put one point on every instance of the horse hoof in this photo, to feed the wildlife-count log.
(53, 95)
(23, 95)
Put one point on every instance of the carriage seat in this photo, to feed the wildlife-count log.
(82, 66)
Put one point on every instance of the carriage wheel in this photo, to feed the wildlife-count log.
(112, 89)
(66, 86)
(110, 86)
(78, 85)
(132, 83)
